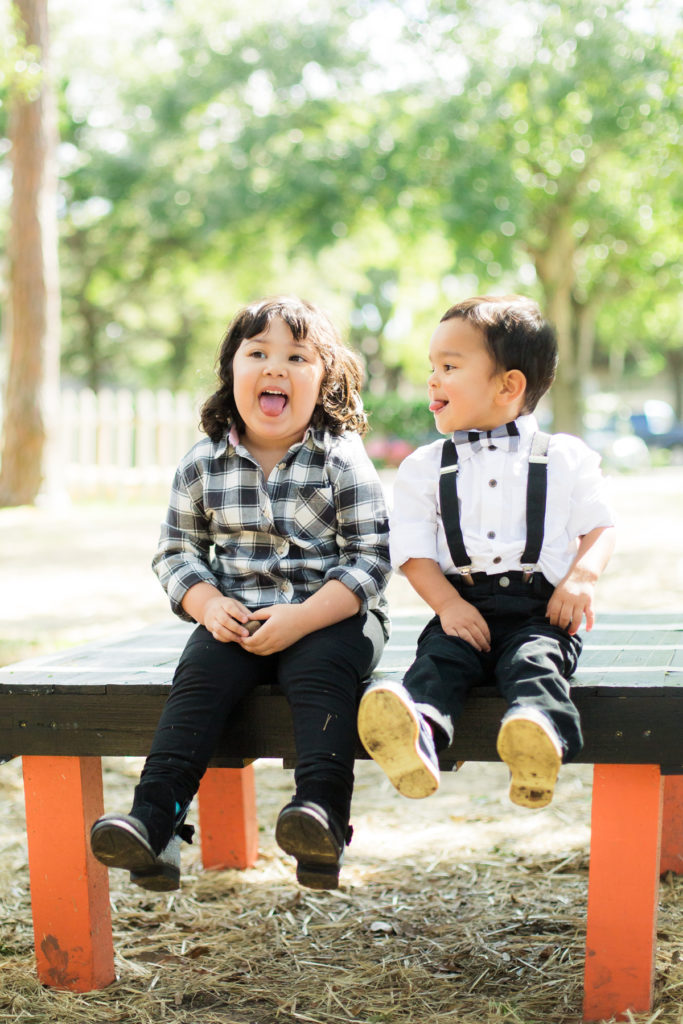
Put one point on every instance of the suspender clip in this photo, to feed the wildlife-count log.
(528, 573)
(466, 574)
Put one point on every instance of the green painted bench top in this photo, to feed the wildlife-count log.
(104, 698)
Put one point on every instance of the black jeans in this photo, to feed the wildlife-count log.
(530, 659)
(321, 675)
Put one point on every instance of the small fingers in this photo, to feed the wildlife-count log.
(225, 628)
(566, 616)
(471, 634)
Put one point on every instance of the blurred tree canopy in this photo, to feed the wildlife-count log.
(382, 159)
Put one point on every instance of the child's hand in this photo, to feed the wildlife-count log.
(460, 618)
(282, 625)
(571, 600)
(224, 617)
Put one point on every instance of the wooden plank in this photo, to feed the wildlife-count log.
(672, 826)
(228, 822)
(69, 888)
(79, 700)
(623, 887)
(643, 618)
(633, 657)
(638, 728)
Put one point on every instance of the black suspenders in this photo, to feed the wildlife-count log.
(536, 492)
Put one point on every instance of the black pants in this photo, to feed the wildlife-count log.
(321, 675)
(530, 659)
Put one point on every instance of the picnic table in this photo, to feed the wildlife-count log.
(63, 713)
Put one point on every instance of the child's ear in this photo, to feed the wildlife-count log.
(512, 387)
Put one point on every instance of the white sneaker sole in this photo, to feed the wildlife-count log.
(533, 760)
(389, 732)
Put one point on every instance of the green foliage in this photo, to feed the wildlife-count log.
(394, 416)
(20, 69)
(382, 160)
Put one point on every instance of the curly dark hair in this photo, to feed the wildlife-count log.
(518, 338)
(340, 406)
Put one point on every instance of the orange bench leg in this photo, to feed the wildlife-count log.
(227, 818)
(623, 887)
(69, 888)
(672, 825)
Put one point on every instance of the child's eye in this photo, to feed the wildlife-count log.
(257, 353)
(297, 358)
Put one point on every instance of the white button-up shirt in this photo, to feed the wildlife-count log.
(491, 488)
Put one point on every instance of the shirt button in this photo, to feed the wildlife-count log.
(504, 581)
(493, 483)
(281, 465)
(492, 447)
(491, 534)
(497, 560)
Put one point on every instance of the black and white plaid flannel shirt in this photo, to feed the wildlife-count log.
(320, 516)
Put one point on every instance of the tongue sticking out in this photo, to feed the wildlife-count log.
(272, 405)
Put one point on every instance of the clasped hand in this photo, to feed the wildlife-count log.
(283, 624)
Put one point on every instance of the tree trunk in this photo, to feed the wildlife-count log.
(555, 270)
(584, 318)
(30, 440)
(674, 361)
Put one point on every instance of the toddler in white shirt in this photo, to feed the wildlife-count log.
(503, 531)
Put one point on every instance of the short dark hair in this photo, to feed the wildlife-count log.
(340, 407)
(518, 337)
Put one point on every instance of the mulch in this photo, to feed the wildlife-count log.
(460, 909)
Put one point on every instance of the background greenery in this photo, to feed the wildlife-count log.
(385, 159)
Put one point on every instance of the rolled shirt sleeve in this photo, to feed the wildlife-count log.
(182, 558)
(362, 525)
(589, 507)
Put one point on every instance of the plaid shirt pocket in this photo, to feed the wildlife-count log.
(314, 512)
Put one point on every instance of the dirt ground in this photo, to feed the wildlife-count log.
(460, 909)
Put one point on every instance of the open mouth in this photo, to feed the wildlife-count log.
(272, 402)
(436, 405)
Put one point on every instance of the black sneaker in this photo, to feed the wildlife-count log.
(399, 739)
(122, 841)
(308, 832)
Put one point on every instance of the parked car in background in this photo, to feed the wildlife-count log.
(608, 430)
(658, 427)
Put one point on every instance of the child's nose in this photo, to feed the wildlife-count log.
(275, 368)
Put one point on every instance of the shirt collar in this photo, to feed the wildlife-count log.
(231, 439)
(527, 426)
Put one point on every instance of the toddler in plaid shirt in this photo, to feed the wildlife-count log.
(276, 545)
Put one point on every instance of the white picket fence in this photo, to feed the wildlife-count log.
(118, 440)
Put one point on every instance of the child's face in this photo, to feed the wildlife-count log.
(464, 385)
(276, 384)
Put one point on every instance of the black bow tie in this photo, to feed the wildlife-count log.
(506, 437)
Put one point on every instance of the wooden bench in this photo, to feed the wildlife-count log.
(63, 713)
